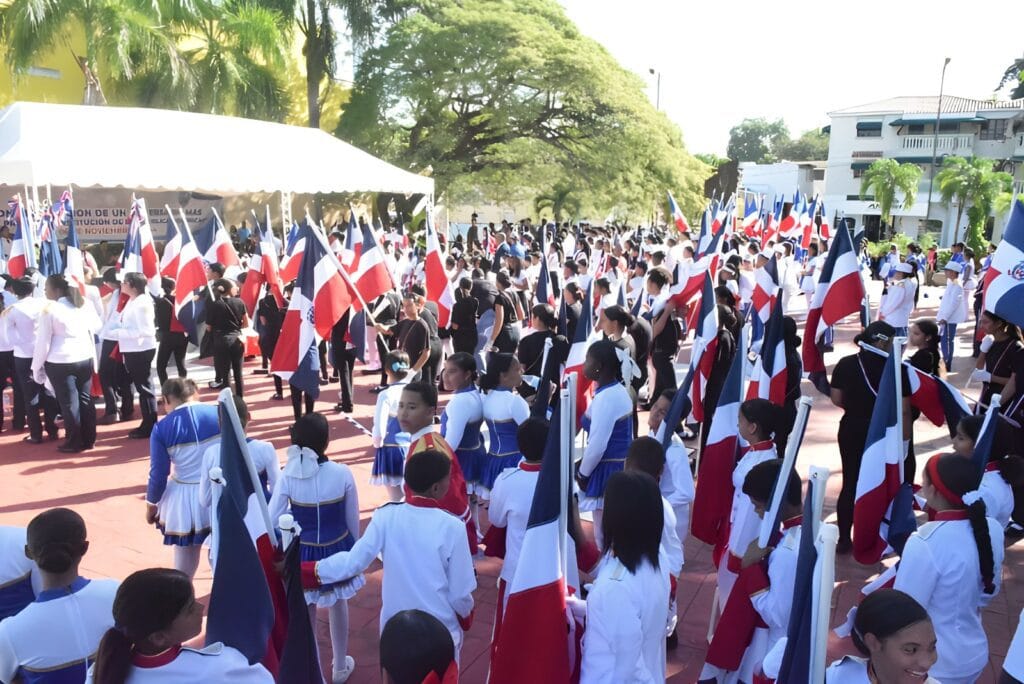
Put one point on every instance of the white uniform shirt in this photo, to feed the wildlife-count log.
(15, 569)
(626, 616)
(671, 546)
(111, 317)
(746, 285)
(215, 663)
(898, 303)
(677, 482)
(1014, 663)
(136, 330)
(263, 455)
(65, 334)
(511, 500)
(20, 323)
(606, 408)
(998, 497)
(61, 630)
(775, 604)
(427, 565)
(853, 670)
(940, 570)
(953, 307)
(387, 406)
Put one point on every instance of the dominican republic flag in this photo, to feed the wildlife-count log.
(578, 354)
(796, 660)
(879, 479)
(771, 221)
(678, 409)
(172, 248)
(140, 248)
(823, 227)
(74, 266)
(353, 244)
(263, 269)
(535, 638)
(190, 289)
(292, 260)
(677, 215)
(705, 264)
(766, 289)
(721, 215)
(838, 294)
(807, 223)
(438, 286)
(545, 288)
(50, 262)
(321, 297)
(215, 246)
(712, 501)
(373, 277)
(987, 436)
(750, 216)
(768, 380)
(244, 605)
(300, 663)
(23, 249)
(789, 225)
(705, 346)
(936, 399)
(1004, 280)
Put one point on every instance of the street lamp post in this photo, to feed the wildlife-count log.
(935, 144)
(657, 89)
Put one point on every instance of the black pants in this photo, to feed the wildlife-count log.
(72, 383)
(664, 373)
(344, 362)
(34, 400)
(171, 344)
(117, 388)
(851, 452)
(140, 370)
(321, 349)
(298, 398)
(382, 352)
(227, 359)
(268, 343)
(7, 377)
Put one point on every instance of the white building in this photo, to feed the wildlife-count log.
(783, 178)
(903, 128)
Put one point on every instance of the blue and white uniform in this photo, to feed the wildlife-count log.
(609, 425)
(323, 500)
(215, 663)
(17, 572)
(55, 638)
(504, 411)
(460, 427)
(389, 440)
(180, 439)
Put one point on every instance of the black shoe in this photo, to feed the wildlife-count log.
(69, 449)
(672, 641)
(217, 386)
(342, 408)
(33, 440)
(378, 389)
(109, 419)
(277, 396)
(260, 371)
(843, 547)
(324, 382)
(139, 433)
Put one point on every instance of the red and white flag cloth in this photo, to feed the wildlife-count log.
(74, 260)
(172, 249)
(677, 215)
(768, 380)
(439, 287)
(705, 347)
(372, 276)
(142, 258)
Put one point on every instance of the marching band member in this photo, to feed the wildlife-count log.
(899, 299)
(262, 453)
(952, 310)
(18, 574)
(461, 421)
(504, 411)
(390, 441)
(1003, 472)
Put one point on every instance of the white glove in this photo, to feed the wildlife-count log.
(577, 607)
(39, 376)
(981, 375)
(986, 343)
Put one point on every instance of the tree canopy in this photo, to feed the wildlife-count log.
(501, 94)
(977, 188)
(767, 142)
(888, 178)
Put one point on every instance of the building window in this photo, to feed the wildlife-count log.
(819, 174)
(869, 133)
(915, 129)
(993, 130)
(949, 126)
(858, 173)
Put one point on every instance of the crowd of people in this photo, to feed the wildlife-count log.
(459, 427)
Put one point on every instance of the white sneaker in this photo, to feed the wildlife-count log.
(341, 676)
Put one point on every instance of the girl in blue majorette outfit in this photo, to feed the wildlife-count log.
(503, 410)
(608, 421)
(388, 439)
(321, 496)
(461, 421)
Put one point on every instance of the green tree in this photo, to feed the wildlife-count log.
(976, 187)
(120, 37)
(887, 178)
(711, 159)
(1013, 76)
(560, 200)
(812, 145)
(756, 140)
(498, 94)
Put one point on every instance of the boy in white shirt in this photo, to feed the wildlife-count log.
(952, 311)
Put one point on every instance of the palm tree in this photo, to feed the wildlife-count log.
(559, 200)
(975, 185)
(886, 178)
(120, 36)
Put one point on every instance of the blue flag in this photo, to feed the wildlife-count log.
(796, 662)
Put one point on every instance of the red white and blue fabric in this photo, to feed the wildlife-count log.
(824, 229)
(353, 244)
(705, 346)
(838, 294)
(50, 261)
(879, 478)
(578, 354)
(936, 399)
(677, 215)
(721, 215)
(796, 659)
(263, 270)
(215, 246)
(536, 622)
(789, 225)
(172, 249)
(1004, 280)
(807, 215)
(140, 248)
(712, 502)
(751, 216)
(768, 380)
(705, 265)
(293, 249)
(74, 261)
(372, 277)
(189, 303)
(23, 252)
(244, 605)
(438, 286)
(766, 289)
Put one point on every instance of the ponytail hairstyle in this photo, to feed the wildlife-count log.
(619, 316)
(222, 287)
(1010, 466)
(604, 354)
(396, 362)
(60, 285)
(56, 540)
(764, 414)
(312, 432)
(415, 645)
(147, 602)
(497, 364)
(957, 480)
(136, 281)
(545, 313)
(465, 362)
(885, 612)
(930, 329)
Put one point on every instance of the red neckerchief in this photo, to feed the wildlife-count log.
(529, 467)
(451, 676)
(764, 445)
(422, 502)
(157, 660)
(991, 466)
(952, 514)
(795, 521)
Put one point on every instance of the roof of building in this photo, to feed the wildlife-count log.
(910, 104)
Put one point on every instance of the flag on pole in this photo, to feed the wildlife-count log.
(215, 246)
(438, 286)
(140, 248)
(263, 269)
(353, 243)
(535, 621)
(74, 267)
(789, 226)
(769, 378)
(986, 438)
(189, 300)
(936, 399)
(172, 247)
(796, 660)
(823, 228)
(23, 251)
(766, 289)
(705, 346)
(300, 663)
(807, 214)
(373, 277)
(578, 354)
(50, 262)
(838, 294)
(1004, 280)
(750, 216)
(292, 260)
(677, 215)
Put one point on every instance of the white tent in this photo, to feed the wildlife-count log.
(159, 149)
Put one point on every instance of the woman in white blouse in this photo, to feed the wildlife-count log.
(65, 354)
(136, 337)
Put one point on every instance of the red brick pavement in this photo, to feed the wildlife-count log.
(107, 486)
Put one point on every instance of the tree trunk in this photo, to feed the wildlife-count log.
(956, 226)
(314, 47)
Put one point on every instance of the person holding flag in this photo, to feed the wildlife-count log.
(1003, 471)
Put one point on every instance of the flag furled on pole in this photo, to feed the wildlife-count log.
(705, 346)
(677, 215)
(438, 286)
(172, 247)
(189, 299)
(769, 378)
(796, 660)
(50, 262)
(74, 266)
(23, 251)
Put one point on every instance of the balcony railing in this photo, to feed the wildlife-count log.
(958, 143)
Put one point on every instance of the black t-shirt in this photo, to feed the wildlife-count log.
(640, 331)
(272, 315)
(163, 308)
(531, 352)
(572, 319)
(508, 307)
(413, 337)
(484, 292)
(858, 376)
(464, 315)
(225, 315)
(925, 360)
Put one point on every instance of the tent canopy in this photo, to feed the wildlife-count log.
(160, 149)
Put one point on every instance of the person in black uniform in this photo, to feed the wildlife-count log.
(463, 321)
(385, 309)
(531, 349)
(664, 334)
(172, 338)
(344, 360)
(271, 317)
(429, 313)
(573, 309)
(226, 317)
(855, 382)
(485, 294)
(412, 334)
(505, 334)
